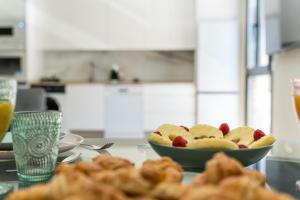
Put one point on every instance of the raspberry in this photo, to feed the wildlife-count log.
(224, 128)
(242, 146)
(179, 142)
(184, 127)
(157, 132)
(258, 134)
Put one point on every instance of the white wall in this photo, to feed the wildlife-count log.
(284, 122)
(145, 65)
(285, 125)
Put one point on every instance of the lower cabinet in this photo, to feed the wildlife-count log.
(84, 109)
(84, 106)
(172, 103)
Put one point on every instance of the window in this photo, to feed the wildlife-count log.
(258, 69)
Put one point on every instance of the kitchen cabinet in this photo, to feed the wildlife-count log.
(218, 9)
(84, 109)
(112, 25)
(118, 108)
(12, 9)
(169, 103)
(123, 113)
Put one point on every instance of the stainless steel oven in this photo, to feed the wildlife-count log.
(12, 48)
(12, 34)
(12, 64)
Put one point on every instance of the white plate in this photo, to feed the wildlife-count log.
(67, 143)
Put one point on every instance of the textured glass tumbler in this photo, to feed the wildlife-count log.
(35, 141)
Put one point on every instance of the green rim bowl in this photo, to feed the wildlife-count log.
(195, 159)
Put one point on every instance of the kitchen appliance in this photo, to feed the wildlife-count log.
(114, 73)
(217, 72)
(12, 34)
(12, 64)
(280, 19)
(12, 48)
(123, 114)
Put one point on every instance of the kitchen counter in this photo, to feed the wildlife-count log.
(107, 82)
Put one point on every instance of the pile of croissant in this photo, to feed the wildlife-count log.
(113, 178)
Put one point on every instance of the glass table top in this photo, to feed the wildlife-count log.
(282, 171)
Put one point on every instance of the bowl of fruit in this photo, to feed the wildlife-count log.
(192, 147)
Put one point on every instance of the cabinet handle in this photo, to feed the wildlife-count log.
(123, 90)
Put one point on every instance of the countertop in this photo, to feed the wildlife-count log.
(107, 82)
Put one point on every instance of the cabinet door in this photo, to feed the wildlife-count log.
(218, 67)
(182, 24)
(173, 26)
(168, 103)
(68, 24)
(111, 25)
(85, 107)
(128, 23)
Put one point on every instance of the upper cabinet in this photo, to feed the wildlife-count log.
(112, 24)
(12, 10)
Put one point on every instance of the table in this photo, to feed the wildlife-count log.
(282, 172)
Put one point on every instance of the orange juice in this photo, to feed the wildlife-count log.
(6, 112)
(297, 105)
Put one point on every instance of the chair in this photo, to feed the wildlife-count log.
(33, 99)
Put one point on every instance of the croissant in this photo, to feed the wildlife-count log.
(128, 181)
(162, 170)
(235, 188)
(222, 167)
(113, 178)
(112, 163)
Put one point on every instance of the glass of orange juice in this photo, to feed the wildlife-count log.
(8, 90)
(296, 95)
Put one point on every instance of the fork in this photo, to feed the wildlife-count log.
(97, 147)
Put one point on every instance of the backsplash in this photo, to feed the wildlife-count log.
(144, 65)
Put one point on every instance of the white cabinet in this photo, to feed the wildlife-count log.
(218, 67)
(123, 114)
(133, 108)
(169, 103)
(12, 10)
(218, 9)
(113, 24)
(68, 24)
(84, 109)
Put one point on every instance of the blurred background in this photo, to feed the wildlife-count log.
(120, 68)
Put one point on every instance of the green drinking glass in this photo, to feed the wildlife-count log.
(35, 141)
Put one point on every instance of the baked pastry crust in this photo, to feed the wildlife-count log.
(162, 170)
(113, 178)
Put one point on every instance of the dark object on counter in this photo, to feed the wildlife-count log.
(114, 75)
(50, 79)
(52, 104)
(92, 72)
(51, 88)
(136, 80)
